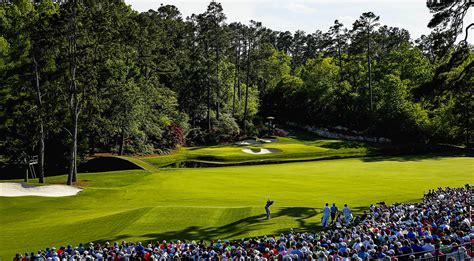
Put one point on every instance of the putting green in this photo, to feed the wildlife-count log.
(289, 149)
(212, 203)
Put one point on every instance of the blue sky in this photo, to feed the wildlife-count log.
(310, 15)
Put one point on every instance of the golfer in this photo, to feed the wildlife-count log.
(267, 207)
(347, 214)
(326, 212)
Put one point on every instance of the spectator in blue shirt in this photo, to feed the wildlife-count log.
(362, 253)
(411, 234)
(297, 251)
(333, 212)
(326, 213)
(347, 214)
(139, 248)
(416, 246)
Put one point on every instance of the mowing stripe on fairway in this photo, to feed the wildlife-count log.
(213, 203)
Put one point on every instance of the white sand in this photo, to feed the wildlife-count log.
(247, 142)
(10, 189)
(262, 151)
(254, 142)
(268, 140)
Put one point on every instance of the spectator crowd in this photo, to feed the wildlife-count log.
(438, 228)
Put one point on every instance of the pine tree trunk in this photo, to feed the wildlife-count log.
(217, 85)
(239, 89)
(370, 71)
(236, 76)
(208, 89)
(41, 153)
(41, 124)
(340, 62)
(122, 143)
(73, 102)
(247, 88)
(74, 169)
(72, 177)
(233, 95)
(71, 167)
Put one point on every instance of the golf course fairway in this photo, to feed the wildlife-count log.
(217, 203)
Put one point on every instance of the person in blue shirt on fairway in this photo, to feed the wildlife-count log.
(326, 213)
(267, 207)
(347, 214)
(334, 210)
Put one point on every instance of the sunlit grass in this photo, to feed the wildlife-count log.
(292, 149)
(212, 203)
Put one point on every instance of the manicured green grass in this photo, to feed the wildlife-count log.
(212, 203)
(292, 149)
(142, 164)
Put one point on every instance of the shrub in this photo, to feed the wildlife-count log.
(173, 136)
(224, 130)
(280, 132)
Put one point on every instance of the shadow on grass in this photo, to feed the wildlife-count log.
(303, 215)
(97, 164)
(343, 145)
(218, 146)
(416, 157)
(103, 164)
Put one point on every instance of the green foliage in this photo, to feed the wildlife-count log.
(253, 104)
(136, 74)
(453, 98)
(225, 129)
(274, 68)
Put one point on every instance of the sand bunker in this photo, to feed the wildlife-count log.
(254, 142)
(262, 151)
(268, 140)
(10, 189)
(247, 142)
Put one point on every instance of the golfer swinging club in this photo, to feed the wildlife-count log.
(267, 207)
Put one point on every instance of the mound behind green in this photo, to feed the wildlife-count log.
(212, 203)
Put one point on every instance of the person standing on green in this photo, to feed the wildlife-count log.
(333, 212)
(326, 212)
(347, 214)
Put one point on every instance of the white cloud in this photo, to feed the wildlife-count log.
(299, 8)
(347, 21)
(352, 1)
(278, 24)
(238, 12)
(308, 15)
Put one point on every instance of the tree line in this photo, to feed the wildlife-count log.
(91, 76)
